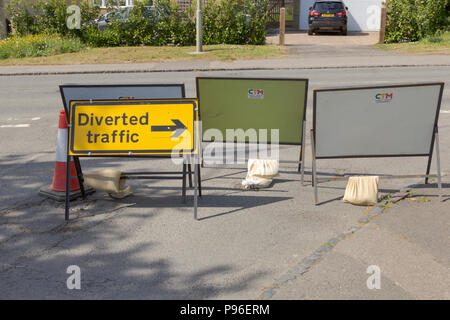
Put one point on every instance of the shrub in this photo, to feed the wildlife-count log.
(46, 17)
(50, 17)
(224, 21)
(21, 16)
(257, 21)
(38, 45)
(95, 38)
(174, 25)
(227, 21)
(411, 20)
(168, 25)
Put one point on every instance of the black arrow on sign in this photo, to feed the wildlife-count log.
(179, 128)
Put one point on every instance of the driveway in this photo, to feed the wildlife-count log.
(299, 44)
(327, 38)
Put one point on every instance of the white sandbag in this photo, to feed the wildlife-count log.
(108, 180)
(362, 191)
(123, 193)
(260, 173)
(256, 183)
(262, 168)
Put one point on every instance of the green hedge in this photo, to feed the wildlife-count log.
(170, 26)
(412, 20)
(46, 16)
(225, 21)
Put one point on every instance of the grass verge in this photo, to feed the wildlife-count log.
(429, 45)
(120, 55)
(37, 46)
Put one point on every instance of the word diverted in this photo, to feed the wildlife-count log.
(116, 136)
(85, 119)
(158, 127)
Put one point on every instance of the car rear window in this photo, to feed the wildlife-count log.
(328, 6)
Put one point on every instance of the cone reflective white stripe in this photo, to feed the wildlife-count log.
(59, 178)
(61, 145)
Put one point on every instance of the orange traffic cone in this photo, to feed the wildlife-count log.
(57, 190)
(59, 177)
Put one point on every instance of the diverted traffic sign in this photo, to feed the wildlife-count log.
(132, 128)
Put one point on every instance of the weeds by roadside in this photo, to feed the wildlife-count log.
(38, 46)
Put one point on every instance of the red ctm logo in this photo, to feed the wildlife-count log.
(256, 93)
(384, 97)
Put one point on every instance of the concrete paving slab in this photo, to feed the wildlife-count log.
(338, 277)
(411, 252)
(424, 221)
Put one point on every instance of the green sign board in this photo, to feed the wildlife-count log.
(243, 103)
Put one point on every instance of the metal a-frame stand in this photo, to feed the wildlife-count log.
(186, 172)
(435, 145)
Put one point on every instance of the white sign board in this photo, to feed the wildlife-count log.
(113, 92)
(376, 121)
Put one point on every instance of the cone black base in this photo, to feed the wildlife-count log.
(61, 196)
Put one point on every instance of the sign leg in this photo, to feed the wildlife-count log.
(183, 191)
(199, 180)
(314, 173)
(77, 163)
(196, 181)
(198, 161)
(438, 163)
(200, 146)
(430, 158)
(190, 173)
(202, 164)
(302, 154)
(67, 188)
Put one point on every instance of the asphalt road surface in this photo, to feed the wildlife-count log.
(148, 245)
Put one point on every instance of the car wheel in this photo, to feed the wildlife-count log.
(310, 32)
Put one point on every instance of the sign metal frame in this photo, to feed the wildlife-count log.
(434, 143)
(122, 90)
(301, 166)
(187, 170)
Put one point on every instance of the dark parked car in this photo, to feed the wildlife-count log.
(328, 16)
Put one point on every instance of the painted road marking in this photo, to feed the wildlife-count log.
(15, 126)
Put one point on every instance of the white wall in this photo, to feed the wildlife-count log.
(363, 15)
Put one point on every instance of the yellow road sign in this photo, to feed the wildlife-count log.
(153, 127)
